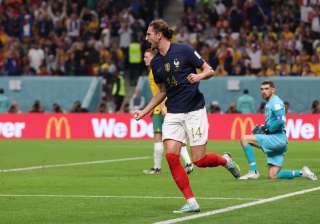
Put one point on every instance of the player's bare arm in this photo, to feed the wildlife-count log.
(163, 107)
(207, 73)
(155, 101)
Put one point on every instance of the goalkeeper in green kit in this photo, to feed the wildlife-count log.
(271, 139)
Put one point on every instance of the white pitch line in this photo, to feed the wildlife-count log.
(120, 197)
(237, 207)
(71, 164)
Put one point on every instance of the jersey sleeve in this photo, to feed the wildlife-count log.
(156, 75)
(278, 112)
(194, 57)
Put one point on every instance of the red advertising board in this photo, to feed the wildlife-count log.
(123, 126)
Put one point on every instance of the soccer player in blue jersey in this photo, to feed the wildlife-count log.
(271, 138)
(174, 68)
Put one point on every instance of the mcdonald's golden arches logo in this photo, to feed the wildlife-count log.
(243, 124)
(57, 125)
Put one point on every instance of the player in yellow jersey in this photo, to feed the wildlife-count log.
(157, 119)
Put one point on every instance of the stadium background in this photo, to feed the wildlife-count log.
(63, 41)
(69, 70)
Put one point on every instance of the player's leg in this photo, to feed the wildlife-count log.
(275, 161)
(197, 130)
(180, 176)
(275, 172)
(277, 145)
(158, 151)
(174, 137)
(157, 120)
(247, 143)
(203, 159)
(284, 174)
(186, 158)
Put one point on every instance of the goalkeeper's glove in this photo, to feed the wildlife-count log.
(260, 129)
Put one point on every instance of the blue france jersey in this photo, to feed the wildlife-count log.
(172, 70)
(275, 110)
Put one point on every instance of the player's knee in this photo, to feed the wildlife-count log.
(198, 163)
(172, 158)
(244, 140)
(273, 176)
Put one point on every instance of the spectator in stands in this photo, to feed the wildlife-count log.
(77, 108)
(12, 63)
(36, 57)
(261, 107)
(126, 107)
(255, 13)
(214, 107)
(14, 108)
(125, 34)
(236, 18)
(4, 102)
(135, 60)
(315, 65)
(43, 71)
(102, 107)
(36, 107)
(137, 101)
(296, 67)
(92, 57)
(118, 90)
(56, 108)
(270, 69)
(238, 70)
(182, 35)
(282, 70)
(315, 107)
(73, 26)
(255, 54)
(232, 109)
(246, 103)
(287, 107)
(306, 70)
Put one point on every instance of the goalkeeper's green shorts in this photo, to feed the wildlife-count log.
(157, 120)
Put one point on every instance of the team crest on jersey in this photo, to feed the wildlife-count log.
(176, 63)
(167, 67)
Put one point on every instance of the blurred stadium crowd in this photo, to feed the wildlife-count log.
(106, 37)
(83, 37)
(263, 38)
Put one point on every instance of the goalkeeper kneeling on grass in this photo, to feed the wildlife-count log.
(271, 138)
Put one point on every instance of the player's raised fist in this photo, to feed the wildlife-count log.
(193, 78)
(138, 115)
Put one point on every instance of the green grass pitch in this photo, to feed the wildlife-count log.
(88, 193)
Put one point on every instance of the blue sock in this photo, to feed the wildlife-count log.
(288, 174)
(248, 150)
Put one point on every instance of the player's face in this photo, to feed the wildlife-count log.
(147, 58)
(153, 37)
(266, 91)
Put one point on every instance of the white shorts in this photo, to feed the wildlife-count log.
(183, 126)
